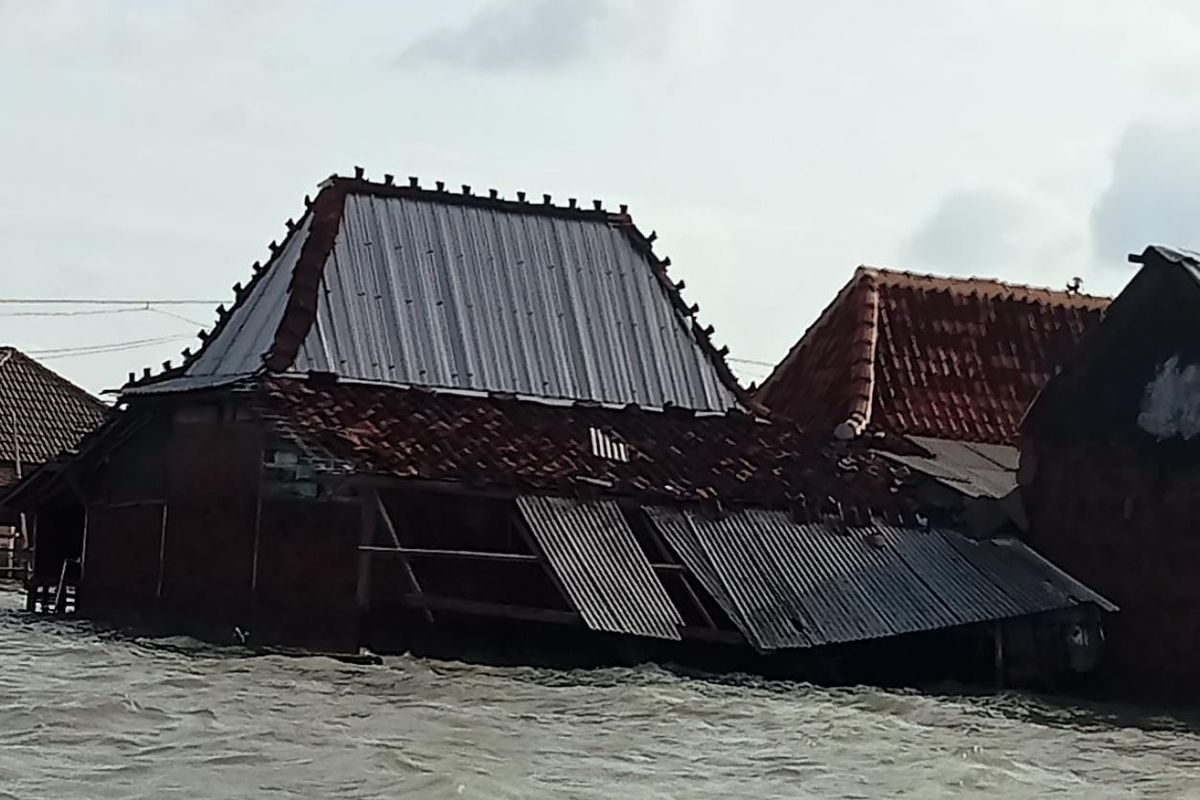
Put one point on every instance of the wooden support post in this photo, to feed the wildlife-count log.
(692, 594)
(362, 591)
(408, 570)
(998, 654)
(532, 544)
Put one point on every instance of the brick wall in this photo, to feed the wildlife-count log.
(1125, 519)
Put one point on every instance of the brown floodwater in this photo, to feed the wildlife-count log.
(92, 714)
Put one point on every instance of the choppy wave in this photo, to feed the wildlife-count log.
(89, 714)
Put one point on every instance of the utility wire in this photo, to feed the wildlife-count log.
(110, 347)
(91, 301)
(70, 313)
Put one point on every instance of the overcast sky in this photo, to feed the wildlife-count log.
(154, 149)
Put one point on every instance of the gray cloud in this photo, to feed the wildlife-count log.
(534, 35)
(971, 230)
(1154, 195)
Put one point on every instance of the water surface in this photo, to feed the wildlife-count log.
(89, 714)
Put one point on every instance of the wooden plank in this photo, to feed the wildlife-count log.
(408, 570)
(427, 552)
(483, 608)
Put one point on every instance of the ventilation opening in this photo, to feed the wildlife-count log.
(605, 445)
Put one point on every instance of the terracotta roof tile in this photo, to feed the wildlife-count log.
(958, 358)
(527, 445)
(52, 414)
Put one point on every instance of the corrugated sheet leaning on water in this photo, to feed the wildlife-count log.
(434, 294)
(785, 584)
(605, 572)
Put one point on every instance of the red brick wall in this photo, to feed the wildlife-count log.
(121, 555)
(308, 568)
(213, 466)
(1127, 524)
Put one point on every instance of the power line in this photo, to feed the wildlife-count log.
(51, 301)
(69, 313)
(750, 361)
(110, 347)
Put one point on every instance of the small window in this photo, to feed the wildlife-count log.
(605, 445)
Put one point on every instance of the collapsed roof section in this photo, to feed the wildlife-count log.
(724, 459)
(409, 286)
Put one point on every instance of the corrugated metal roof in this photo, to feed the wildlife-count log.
(789, 585)
(976, 470)
(423, 293)
(604, 570)
(731, 563)
(420, 288)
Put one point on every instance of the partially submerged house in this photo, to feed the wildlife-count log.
(936, 373)
(42, 415)
(1110, 468)
(457, 423)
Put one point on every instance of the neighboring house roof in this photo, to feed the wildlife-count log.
(653, 456)
(425, 287)
(50, 413)
(1140, 367)
(919, 355)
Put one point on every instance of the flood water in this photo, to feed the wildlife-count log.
(89, 714)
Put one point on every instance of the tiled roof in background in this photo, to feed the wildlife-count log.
(427, 287)
(955, 358)
(51, 413)
(535, 446)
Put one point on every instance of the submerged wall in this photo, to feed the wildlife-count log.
(1123, 518)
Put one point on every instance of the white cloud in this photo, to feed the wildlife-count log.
(994, 230)
(1154, 194)
(540, 35)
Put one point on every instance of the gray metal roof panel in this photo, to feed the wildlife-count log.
(606, 573)
(734, 575)
(789, 585)
(425, 293)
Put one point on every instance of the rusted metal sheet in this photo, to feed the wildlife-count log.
(605, 572)
(790, 585)
(456, 296)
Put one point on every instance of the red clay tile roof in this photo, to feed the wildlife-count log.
(52, 414)
(956, 358)
(490, 441)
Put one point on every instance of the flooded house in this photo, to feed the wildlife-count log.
(42, 415)
(937, 374)
(464, 425)
(1110, 468)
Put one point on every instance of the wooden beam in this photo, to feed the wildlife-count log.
(408, 570)
(483, 608)
(429, 552)
(711, 635)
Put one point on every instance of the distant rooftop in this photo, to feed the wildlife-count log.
(924, 355)
(50, 414)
